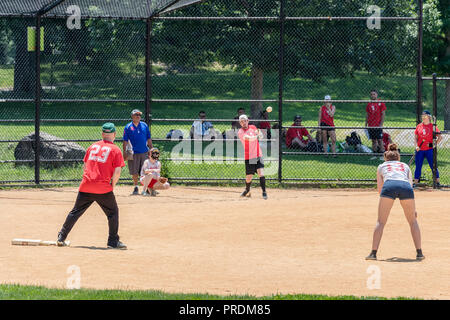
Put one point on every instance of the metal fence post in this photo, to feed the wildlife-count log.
(37, 101)
(434, 130)
(280, 90)
(419, 63)
(148, 71)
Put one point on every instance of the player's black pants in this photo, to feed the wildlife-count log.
(106, 201)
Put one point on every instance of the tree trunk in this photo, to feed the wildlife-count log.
(257, 92)
(24, 66)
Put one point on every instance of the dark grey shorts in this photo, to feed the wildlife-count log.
(376, 134)
(135, 165)
(397, 189)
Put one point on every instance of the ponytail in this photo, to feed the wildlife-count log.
(392, 154)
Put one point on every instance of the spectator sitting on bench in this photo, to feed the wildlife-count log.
(202, 129)
(295, 136)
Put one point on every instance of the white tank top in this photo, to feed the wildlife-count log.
(395, 170)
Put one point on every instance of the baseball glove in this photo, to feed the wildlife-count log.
(162, 180)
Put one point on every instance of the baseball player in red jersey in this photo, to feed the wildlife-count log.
(103, 163)
(249, 135)
(375, 114)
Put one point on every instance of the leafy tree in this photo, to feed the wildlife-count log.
(314, 49)
(437, 45)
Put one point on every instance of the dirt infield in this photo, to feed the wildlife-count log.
(208, 240)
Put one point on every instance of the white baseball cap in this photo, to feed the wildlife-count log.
(243, 117)
(327, 97)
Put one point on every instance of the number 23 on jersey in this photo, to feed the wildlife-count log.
(96, 150)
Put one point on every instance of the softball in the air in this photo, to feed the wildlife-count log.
(269, 109)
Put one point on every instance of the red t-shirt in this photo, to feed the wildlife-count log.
(374, 110)
(424, 132)
(252, 149)
(296, 132)
(325, 117)
(264, 125)
(100, 161)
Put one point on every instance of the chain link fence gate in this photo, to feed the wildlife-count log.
(215, 57)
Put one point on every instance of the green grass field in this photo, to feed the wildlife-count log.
(18, 292)
(210, 84)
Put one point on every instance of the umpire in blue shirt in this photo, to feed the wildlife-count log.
(138, 134)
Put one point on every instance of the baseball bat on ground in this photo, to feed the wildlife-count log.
(35, 242)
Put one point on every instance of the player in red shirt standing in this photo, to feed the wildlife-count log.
(249, 135)
(103, 163)
(375, 113)
(326, 122)
(424, 145)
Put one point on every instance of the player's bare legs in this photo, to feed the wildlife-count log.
(409, 208)
(380, 145)
(160, 186)
(384, 208)
(135, 179)
(374, 145)
(333, 142)
(146, 181)
(325, 142)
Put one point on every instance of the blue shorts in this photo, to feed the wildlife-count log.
(393, 189)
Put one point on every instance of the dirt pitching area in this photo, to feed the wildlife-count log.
(209, 240)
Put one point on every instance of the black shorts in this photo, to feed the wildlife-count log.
(376, 134)
(330, 128)
(252, 165)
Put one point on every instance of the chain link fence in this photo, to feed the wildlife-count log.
(214, 59)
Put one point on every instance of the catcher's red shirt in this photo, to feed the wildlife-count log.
(424, 132)
(374, 111)
(252, 149)
(100, 161)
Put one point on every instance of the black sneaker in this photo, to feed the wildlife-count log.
(135, 191)
(246, 194)
(420, 255)
(61, 240)
(264, 195)
(371, 256)
(119, 245)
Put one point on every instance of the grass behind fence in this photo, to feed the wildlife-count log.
(189, 86)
